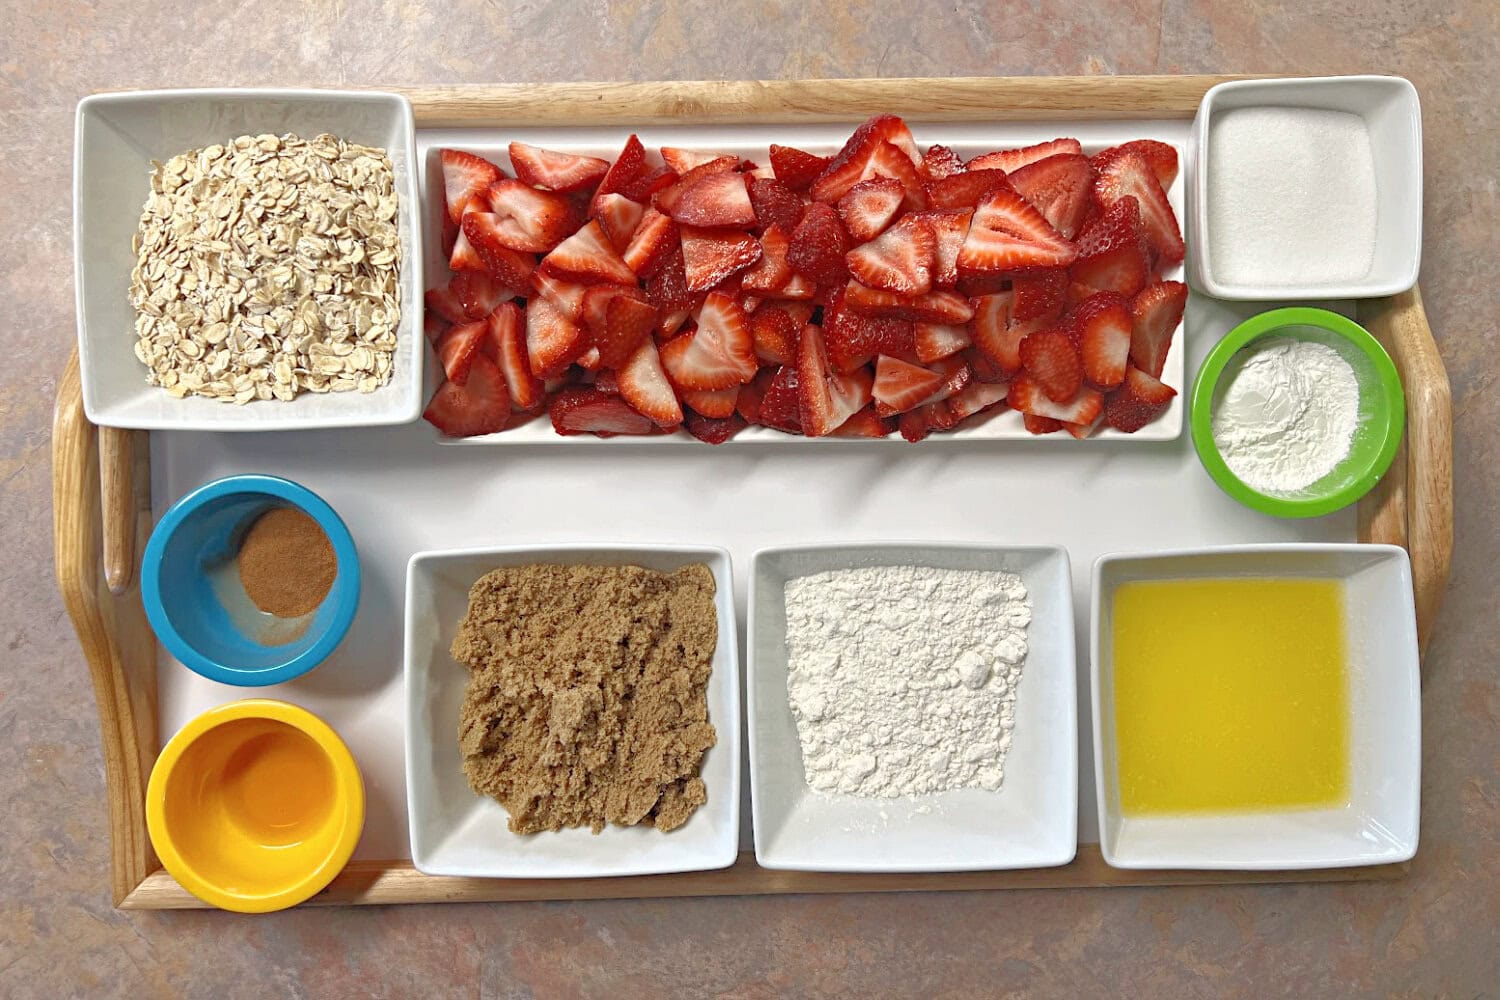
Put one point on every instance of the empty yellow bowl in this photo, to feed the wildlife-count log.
(255, 805)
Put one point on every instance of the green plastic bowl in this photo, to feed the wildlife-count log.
(1382, 411)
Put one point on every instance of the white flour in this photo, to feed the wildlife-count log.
(1287, 415)
(903, 679)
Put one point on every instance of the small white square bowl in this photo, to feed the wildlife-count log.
(1379, 826)
(1030, 822)
(116, 138)
(456, 832)
(1393, 115)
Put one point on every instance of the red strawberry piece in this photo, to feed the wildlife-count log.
(984, 367)
(818, 245)
(667, 289)
(1112, 252)
(1103, 323)
(848, 167)
(719, 354)
(459, 347)
(711, 255)
(589, 360)
(772, 275)
(935, 341)
(465, 176)
(714, 430)
(645, 187)
(1041, 425)
(560, 172)
(1081, 431)
(747, 401)
(1040, 292)
(933, 307)
(666, 198)
(888, 160)
(629, 320)
(683, 160)
(775, 334)
(478, 293)
(671, 322)
(940, 162)
(718, 403)
(552, 340)
(900, 386)
(1061, 187)
(643, 384)
(1050, 358)
(826, 399)
(480, 406)
(976, 397)
(1007, 233)
(619, 217)
(780, 406)
(775, 204)
(899, 260)
(956, 376)
(853, 339)
(988, 328)
(1160, 157)
(1028, 396)
(508, 341)
(869, 206)
(566, 295)
(654, 240)
(588, 256)
(965, 190)
(976, 285)
(596, 300)
(527, 219)
(451, 233)
(445, 303)
(510, 266)
(915, 425)
(1128, 176)
(714, 200)
(586, 410)
(607, 381)
(1010, 160)
(865, 424)
(434, 326)
(1155, 314)
(762, 171)
(949, 227)
(794, 168)
(1139, 400)
(462, 256)
(627, 167)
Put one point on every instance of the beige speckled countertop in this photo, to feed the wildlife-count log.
(1434, 933)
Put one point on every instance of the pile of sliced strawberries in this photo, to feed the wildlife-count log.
(854, 295)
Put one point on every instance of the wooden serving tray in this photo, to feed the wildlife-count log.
(102, 493)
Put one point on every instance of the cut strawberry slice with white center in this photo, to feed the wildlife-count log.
(465, 176)
(825, 399)
(1128, 175)
(900, 260)
(1010, 160)
(586, 410)
(643, 384)
(508, 342)
(1007, 233)
(480, 406)
(619, 217)
(1027, 395)
(552, 340)
(718, 354)
(900, 386)
(588, 256)
(1155, 315)
(530, 220)
(715, 200)
(458, 347)
(1061, 187)
(935, 341)
(560, 172)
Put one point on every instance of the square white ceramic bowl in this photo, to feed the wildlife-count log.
(1379, 825)
(1030, 822)
(1393, 115)
(456, 832)
(116, 138)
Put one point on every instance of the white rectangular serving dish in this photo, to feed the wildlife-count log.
(1030, 822)
(1379, 826)
(751, 142)
(456, 832)
(117, 136)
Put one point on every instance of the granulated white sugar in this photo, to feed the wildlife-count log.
(1291, 198)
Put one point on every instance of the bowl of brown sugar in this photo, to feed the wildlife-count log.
(250, 580)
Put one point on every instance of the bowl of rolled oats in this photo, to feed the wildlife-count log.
(247, 259)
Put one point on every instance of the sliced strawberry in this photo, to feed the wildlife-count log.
(1027, 395)
(465, 176)
(671, 322)
(606, 381)
(510, 266)
(848, 167)
(586, 410)
(940, 162)
(629, 320)
(507, 338)
(596, 300)
(1041, 425)
(915, 425)
(645, 186)
(900, 386)
(1010, 160)
(459, 347)
(1050, 357)
(478, 293)
(818, 245)
(955, 374)
(619, 217)
(772, 275)
(552, 340)
(628, 166)
(1040, 292)
(934, 307)
(780, 405)
(719, 354)
(988, 328)
(1128, 175)
(643, 384)
(853, 339)
(463, 256)
(965, 190)
(711, 255)
(588, 256)
(1155, 314)
(714, 200)
(714, 430)
(560, 172)
(775, 335)
(949, 227)
(826, 399)
(654, 240)
(480, 406)
(683, 160)
(775, 204)
(434, 326)
(1139, 400)
(1061, 187)
(1112, 252)
(446, 303)
(667, 289)
(667, 198)
(1103, 323)
(527, 219)
(888, 160)
(984, 367)
(794, 168)
(900, 260)
(1007, 233)
(870, 205)
(976, 397)
(1160, 157)
(718, 403)
(1080, 431)
(935, 341)
(566, 295)
(865, 424)
(752, 394)
(451, 232)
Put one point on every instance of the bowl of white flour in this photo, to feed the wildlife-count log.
(1297, 412)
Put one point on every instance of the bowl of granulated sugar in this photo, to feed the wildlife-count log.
(1306, 189)
(1297, 412)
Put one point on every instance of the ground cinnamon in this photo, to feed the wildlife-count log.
(286, 563)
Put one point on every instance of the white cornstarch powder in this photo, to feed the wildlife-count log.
(1291, 196)
(1286, 414)
(903, 679)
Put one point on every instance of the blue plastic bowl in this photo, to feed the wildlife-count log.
(188, 571)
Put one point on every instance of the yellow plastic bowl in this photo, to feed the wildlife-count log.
(255, 805)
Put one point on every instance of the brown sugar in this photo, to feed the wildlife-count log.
(286, 563)
(587, 697)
